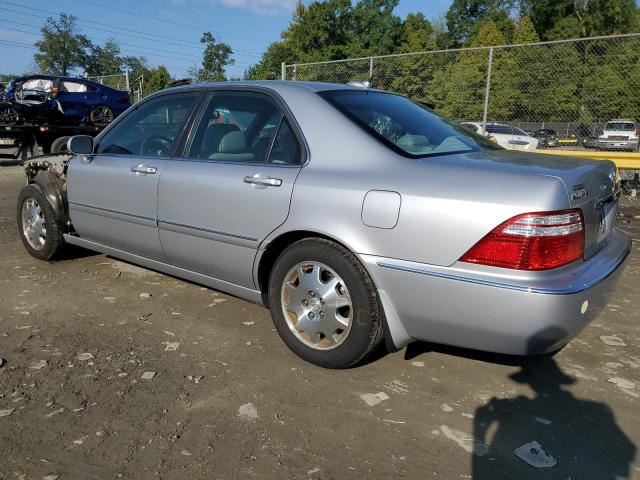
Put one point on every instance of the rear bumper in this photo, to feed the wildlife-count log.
(486, 310)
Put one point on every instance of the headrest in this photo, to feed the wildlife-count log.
(409, 140)
(233, 142)
(214, 133)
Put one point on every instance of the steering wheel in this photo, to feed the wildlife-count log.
(155, 146)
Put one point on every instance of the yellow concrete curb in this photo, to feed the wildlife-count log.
(624, 160)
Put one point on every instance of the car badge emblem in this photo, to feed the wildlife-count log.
(579, 192)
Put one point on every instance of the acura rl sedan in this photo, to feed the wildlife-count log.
(355, 215)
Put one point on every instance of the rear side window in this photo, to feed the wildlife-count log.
(243, 127)
(286, 148)
(404, 126)
(73, 87)
(151, 129)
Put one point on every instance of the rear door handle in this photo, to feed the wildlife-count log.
(263, 181)
(144, 169)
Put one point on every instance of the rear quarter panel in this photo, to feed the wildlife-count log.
(448, 203)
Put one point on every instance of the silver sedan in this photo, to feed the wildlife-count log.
(356, 216)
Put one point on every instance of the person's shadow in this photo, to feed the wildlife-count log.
(580, 435)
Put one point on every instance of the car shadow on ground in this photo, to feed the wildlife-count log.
(555, 433)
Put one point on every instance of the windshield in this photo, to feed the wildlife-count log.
(404, 126)
(620, 126)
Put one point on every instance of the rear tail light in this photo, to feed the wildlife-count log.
(532, 241)
(125, 97)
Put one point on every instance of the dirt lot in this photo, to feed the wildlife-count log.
(228, 400)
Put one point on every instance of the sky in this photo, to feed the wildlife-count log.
(167, 32)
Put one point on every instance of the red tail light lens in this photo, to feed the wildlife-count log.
(126, 97)
(532, 241)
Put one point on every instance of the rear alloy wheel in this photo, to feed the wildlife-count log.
(101, 115)
(323, 304)
(40, 232)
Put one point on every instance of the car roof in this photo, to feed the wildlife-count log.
(277, 86)
(622, 120)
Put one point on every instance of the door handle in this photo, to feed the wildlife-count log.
(263, 181)
(144, 169)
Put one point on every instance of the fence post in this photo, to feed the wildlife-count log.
(370, 68)
(295, 72)
(126, 74)
(283, 71)
(486, 92)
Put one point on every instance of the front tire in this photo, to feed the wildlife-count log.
(324, 304)
(41, 234)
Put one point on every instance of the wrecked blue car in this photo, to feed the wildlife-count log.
(61, 101)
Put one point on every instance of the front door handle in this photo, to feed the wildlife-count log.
(263, 181)
(144, 169)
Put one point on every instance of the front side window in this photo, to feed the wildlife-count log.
(236, 127)
(404, 126)
(151, 129)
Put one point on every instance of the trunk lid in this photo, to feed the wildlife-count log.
(591, 186)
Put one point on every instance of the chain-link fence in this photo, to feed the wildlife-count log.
(119, 81)
(573, 87)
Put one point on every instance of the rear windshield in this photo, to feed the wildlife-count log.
(404, 126)
(620, 126)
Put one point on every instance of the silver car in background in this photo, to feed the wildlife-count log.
(355, 215)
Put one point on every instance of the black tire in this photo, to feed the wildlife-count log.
(366, 330)
(53, 240)
(101, 115)
(28, 149)
(59, 145)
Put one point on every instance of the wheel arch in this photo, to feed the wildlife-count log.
(265, 262)
(53, 190)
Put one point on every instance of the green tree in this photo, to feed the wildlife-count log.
(105, 60)
(412, 73)
(559, 19)
(458, 88)
(419, 34)
(62, 49)
(269, 66)
(157, 79)
(215, 59)
(465, 17)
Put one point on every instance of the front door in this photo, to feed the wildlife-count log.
(113, 193)
(232, 187)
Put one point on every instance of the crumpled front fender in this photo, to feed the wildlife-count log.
(53, 189)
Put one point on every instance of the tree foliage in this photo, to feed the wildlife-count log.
(216, 57)
(62, 48)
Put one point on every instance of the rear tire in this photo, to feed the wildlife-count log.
(59, 145)
(337, 323)
(39, 230)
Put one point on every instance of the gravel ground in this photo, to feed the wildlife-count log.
(227, 400)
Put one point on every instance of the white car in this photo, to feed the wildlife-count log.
(619, 135)
(511, 138)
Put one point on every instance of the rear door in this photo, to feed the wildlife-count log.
(113, 193)
(75, 98)
(232, 187)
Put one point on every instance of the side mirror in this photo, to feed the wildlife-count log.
(80, 144)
